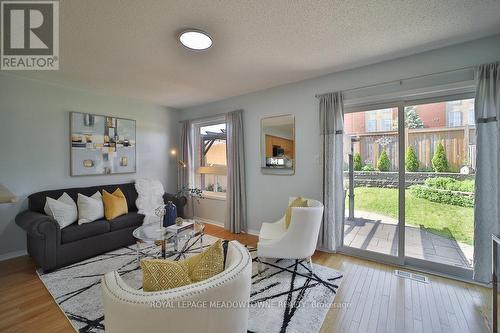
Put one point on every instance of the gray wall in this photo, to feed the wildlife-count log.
(34, 146)
(267, 194)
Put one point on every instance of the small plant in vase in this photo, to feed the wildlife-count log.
(179, 221)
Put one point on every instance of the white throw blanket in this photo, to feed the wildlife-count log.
(150, 196)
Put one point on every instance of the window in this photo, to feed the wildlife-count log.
(454, 118)
(212, 158)
(472, 121)
(386, 124)
(371, 125)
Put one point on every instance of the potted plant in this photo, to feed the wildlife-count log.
(190, 192)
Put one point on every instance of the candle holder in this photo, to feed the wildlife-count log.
(160, 212)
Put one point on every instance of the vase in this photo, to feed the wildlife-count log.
(170, 214)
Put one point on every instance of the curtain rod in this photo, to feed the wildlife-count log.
(204, 117)
(400, 81)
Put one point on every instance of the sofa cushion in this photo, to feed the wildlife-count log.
(76, 232)
(132, 219)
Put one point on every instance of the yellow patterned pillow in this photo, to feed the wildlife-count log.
(159, 274)
(206, 264)
(298, 202)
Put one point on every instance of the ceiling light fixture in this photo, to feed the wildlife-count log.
(196, 40)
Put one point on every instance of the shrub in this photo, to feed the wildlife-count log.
(411, 161)
(358, 164)
(439, 160)
(446, 183)
(441, 196)
(426, 169)
(368, 167)
(383, 163)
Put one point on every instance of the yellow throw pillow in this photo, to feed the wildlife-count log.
(115, 204)
(206, 264)
(160, 274)
(298, 202)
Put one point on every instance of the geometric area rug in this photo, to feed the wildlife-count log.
(287, 297)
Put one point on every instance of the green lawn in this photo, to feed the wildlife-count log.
(453, 222)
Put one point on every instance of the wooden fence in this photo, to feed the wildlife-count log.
(459, 144)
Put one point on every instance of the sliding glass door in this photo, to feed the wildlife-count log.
(409, 184)
(439, 180)
(371, 173)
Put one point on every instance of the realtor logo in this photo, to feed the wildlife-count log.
(30, 35)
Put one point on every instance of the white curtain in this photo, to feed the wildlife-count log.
(331, 111)
(486, 219)
(236, 217)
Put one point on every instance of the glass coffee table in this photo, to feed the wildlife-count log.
(154, 234)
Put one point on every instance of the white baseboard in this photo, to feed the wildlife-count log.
(221, 224)
(11, 255)
(253, 232)
(208, 221)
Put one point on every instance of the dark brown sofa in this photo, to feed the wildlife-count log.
(52, 247)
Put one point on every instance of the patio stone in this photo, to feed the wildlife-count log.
(378, 233)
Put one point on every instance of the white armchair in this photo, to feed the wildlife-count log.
(298, 241)
(198, 307)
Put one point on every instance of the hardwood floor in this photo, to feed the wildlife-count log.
(370, 299)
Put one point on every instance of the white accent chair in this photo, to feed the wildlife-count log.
(184, 309)
(298, 241)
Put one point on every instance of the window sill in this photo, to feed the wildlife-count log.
(214, 195)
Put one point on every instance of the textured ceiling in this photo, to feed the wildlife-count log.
(129, 47)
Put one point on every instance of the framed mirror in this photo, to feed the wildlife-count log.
(277, 146)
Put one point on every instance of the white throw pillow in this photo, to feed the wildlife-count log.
(63, 210)
(90, 208)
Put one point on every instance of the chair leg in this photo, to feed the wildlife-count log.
(309, 260)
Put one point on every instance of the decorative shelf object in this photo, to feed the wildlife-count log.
(6, 196)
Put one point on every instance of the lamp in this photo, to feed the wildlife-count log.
(6, 196)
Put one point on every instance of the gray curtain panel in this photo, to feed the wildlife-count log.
(185, 167)
(331, 112)
(236, 219)
(486, 219)
(184, 142)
